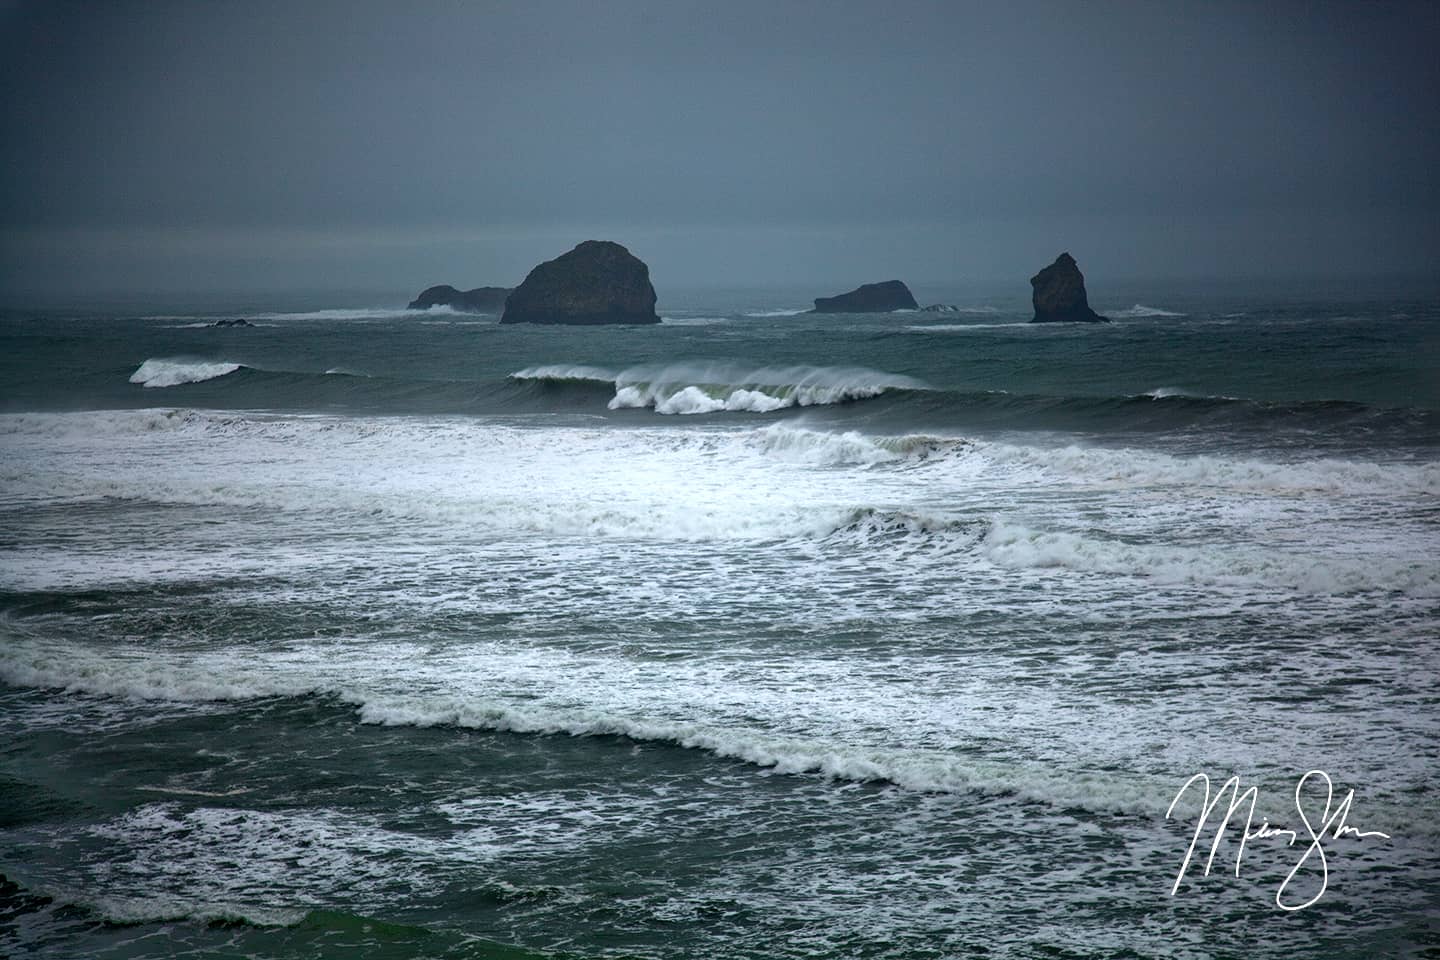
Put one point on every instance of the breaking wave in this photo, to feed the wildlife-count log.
(565, 373)
(714, 388)
(159, 372)
(825, 449)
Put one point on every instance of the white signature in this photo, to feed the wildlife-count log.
(1331, 825)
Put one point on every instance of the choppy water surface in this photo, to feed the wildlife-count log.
(358, 633)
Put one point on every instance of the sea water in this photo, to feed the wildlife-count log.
(364, 632)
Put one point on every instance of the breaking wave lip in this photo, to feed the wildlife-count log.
(693, 321)
(714, 388)
(1140, 310)
(566, 373)
(173, 372)
(694, 388)
(776, 313)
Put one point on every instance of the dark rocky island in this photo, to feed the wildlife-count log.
(479, 300)
(1058, 294)
(869, 298)
(597, 282)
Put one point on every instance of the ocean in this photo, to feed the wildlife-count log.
(359, 632)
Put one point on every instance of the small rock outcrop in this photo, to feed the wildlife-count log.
(597, 282)
(241, 322)
(869, 298)
(940, 308)
(479, 300)
(1058, 294)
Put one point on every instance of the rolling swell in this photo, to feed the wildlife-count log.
(888, 402)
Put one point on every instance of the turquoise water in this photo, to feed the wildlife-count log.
(364, 633)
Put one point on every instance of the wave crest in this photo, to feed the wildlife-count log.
(163, 372)
(825, 449)
(691, 389)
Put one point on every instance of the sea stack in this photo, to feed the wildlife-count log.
(479, 300)
(869, 298)
(1059, 294)
(597, 282)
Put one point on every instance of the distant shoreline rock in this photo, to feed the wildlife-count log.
(883, 297)
(940, 308)
(598, 282)
(1058, 294)
(479, 300)
(242, 322)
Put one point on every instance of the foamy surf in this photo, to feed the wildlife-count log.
(713, 388)
(696, 388)
(205, 679)
(161, 372)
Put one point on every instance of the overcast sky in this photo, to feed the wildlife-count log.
(254, 146)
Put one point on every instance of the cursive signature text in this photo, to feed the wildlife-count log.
(1330, 824)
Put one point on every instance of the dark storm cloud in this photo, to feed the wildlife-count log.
(1157, 129)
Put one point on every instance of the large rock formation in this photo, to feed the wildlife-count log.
(1059, 294)
(869, 298)
(479, 300)
(597, 282)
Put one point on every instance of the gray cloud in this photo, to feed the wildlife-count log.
(343, 139)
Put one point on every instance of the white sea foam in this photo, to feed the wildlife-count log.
(804, 715)
(922, 770)
(702, 388)
(951, 309)
(239, 679)
(165, 372)
(689, 388)
(1143, 468)
(1019, 547)
(777, 313)
(1017, 325)
(1141, 310)
(825, 448)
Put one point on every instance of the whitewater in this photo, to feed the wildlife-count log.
(750, 634)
